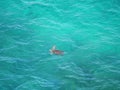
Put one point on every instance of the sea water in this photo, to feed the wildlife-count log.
(88, 31)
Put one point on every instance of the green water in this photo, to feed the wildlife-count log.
(88, 31)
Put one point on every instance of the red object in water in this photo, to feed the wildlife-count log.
(58, 52)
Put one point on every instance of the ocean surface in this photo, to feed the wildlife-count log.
(88, 31)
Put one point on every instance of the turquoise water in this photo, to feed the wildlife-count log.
(88, 31)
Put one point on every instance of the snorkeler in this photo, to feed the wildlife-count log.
(55, 51)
